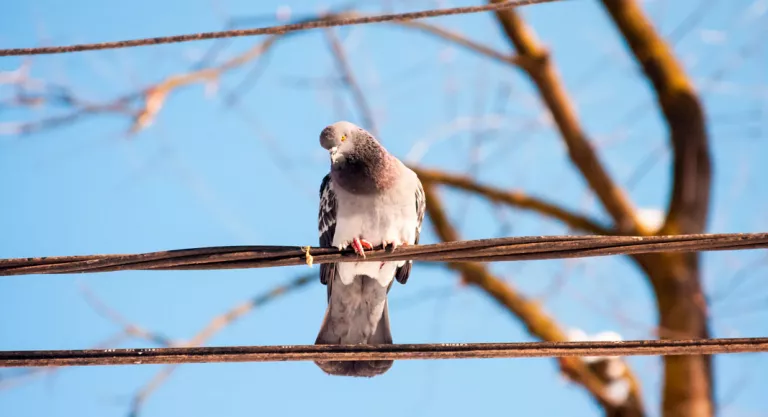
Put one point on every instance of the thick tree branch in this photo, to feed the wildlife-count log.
(538, 323)
(688, 384)
(514, 198)
(689, 205)
(536, 63)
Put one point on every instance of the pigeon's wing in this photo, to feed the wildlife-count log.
(326, 225)
(404, 271)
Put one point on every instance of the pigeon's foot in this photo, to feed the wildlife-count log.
(390, 246)
(359, 245)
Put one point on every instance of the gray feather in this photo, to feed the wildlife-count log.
(404, 271)
(357, 313)
(326, 225)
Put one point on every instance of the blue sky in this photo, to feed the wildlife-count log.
(207, 174)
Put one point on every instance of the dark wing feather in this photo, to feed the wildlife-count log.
(326, 225)
(404, 271)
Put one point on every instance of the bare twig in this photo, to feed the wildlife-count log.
(342, 63)
(463, 41)
(214, 326)
(129, 328)
(154, 96)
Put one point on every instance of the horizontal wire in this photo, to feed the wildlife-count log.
(332, 21)
(41, 358)
(483, 250)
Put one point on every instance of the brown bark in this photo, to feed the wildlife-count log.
(536, 62)
(515, 198)
(688, 386)
(536, 321)
(674, 277)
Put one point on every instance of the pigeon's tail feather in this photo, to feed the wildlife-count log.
(357, 314)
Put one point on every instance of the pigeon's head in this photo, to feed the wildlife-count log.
(359, 164)
(344, 139)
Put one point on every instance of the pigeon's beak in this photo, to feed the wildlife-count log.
(334, 153)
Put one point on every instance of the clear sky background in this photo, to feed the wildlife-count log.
(209, 173)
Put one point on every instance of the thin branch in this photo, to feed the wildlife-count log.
(516, 199)
(342, 64)
(737, 279)
(233, 23)
(463, 41)
(239, 311)
(538, 323)
(154, 96)
(273, 30)
(214, 326)
(146, 391)
(118, 106)
(129, 328)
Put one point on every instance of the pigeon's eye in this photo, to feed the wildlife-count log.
(343, 138)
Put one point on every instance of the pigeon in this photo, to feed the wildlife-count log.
(368, 199)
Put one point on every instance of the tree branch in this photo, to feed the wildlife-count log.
(461, 40)
(153, 96)
(538, 323)
(689, 205)
(536, 63)
(134, 330)
(688, 384)
(514, 198)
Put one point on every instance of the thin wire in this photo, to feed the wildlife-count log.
(331, 21)
(40, 358)
(484, 250)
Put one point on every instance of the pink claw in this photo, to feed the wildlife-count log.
(359, 245)
(394, 244)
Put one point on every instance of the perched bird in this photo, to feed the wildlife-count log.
(368, 199)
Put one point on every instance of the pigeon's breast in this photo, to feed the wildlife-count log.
(390, 215)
